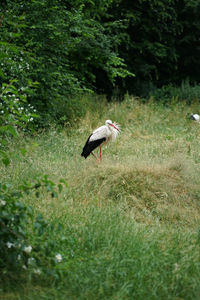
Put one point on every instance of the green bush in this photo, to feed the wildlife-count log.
(15, 111)
(26, 243)
(15, 114)
(185, 92)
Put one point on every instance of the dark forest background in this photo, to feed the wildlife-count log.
(54, 51)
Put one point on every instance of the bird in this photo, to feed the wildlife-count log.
(100, 136)
(195, 117)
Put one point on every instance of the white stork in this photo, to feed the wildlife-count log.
(195, 117)
(100, 136)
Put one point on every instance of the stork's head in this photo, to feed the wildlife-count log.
(114, 125)
(108, 122)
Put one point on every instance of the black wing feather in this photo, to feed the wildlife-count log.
(91, 145)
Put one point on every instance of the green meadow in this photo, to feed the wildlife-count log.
(127, 228)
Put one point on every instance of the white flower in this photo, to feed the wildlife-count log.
(18, 257)
(58, 257)
(37, 271)
(31, 119)
(2, 111)
(2, 202)
(28, 249)
(24, 267)
(10, 245)
(31, 260)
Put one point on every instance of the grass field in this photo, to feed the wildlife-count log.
(130, 225)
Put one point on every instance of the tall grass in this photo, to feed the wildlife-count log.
(130, 225)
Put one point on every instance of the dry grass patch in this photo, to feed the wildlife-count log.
(149, 192)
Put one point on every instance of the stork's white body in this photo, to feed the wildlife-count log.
(195, 117)
(100, 133)
(100, 136)
(108, 132)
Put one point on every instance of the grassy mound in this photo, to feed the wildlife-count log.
(164, 193)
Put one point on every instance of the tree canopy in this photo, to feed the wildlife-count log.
(55, 49)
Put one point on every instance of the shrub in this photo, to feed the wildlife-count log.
(22, 242)
(185, 92)
(15, 111)
(15, 114)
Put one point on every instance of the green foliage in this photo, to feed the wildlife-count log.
(185, 92)
(16, 61)
(15, 111)
(18, 250)
(15, 114)
(16, 85)
(13, 219)
(62, 46)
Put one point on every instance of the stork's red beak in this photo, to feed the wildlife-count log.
(114, 127)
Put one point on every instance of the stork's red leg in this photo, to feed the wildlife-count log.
(95, 156)
(100, 153)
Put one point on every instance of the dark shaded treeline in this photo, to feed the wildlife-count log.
(161, 42)
(62, 48)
